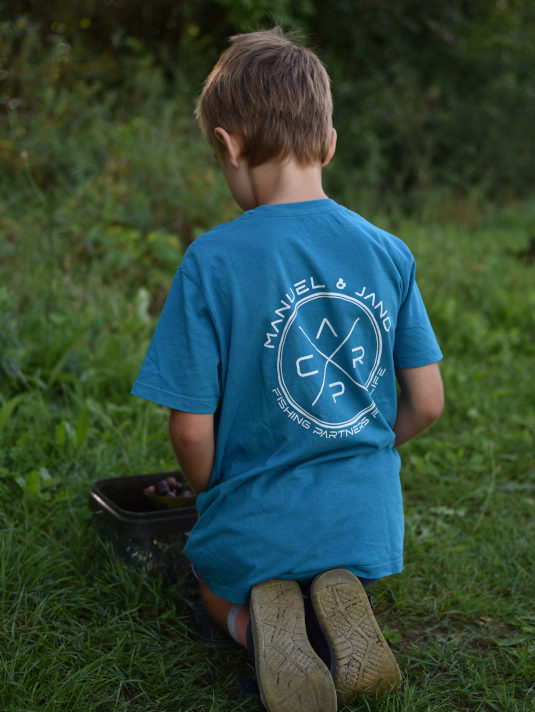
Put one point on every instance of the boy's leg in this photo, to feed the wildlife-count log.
(232, 617)
(360, 657)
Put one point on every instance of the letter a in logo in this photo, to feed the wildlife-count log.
(326, 321)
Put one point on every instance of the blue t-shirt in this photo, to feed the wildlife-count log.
(288, 323)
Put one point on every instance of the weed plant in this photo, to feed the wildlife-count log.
(90, 236)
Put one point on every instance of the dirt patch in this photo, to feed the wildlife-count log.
(483, 633)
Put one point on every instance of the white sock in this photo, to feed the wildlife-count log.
(231, 621)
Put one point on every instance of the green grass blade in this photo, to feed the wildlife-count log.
(9, 407)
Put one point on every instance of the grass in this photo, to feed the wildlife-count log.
(81, 630)
(99, 192)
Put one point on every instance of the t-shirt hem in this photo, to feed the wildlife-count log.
(418, 360)
(241, 595)
(173, 400)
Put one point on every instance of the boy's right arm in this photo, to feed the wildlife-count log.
(420, 401)
(193, 440)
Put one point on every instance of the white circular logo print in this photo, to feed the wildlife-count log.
(329, 353)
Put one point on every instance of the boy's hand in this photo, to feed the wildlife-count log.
(420, 401)
(193, 440)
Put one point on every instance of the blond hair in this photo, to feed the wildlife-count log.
(274, 93)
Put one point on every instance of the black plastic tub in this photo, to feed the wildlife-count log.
(143, 533)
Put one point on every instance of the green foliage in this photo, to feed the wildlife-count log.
(104, 179)
(9, 338)
(117, 160)
(427, 95)
(101, 635)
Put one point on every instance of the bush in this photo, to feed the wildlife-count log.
(428, 97)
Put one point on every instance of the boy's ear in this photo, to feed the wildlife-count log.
(332, 149)
(232, 143)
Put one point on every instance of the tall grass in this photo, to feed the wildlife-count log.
(81, 629)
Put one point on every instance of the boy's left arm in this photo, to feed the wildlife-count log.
(193, 439)
(420, 401)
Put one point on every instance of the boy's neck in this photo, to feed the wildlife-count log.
(286, 182)
(271, 182)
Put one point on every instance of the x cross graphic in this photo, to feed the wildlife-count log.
(330, 359)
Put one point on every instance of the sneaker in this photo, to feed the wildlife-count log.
(361, 660)
(291, 677)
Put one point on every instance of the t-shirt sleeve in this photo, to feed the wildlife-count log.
(415, 343)
(181, 367)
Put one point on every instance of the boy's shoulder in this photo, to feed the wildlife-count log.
(384, 240)
(315, 211)
(215, 242)
(218, 233)
(291, 222)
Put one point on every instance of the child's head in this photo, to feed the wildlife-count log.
(273, 93)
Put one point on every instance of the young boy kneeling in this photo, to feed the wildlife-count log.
(278, 351)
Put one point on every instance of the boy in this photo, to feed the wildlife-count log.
(277, 351)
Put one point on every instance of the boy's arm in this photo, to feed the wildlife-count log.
(193, 440)
(420, 401)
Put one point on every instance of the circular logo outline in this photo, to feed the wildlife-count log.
(379, 350)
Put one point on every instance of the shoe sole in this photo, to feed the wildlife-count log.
(361, 660)
(291, 677)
